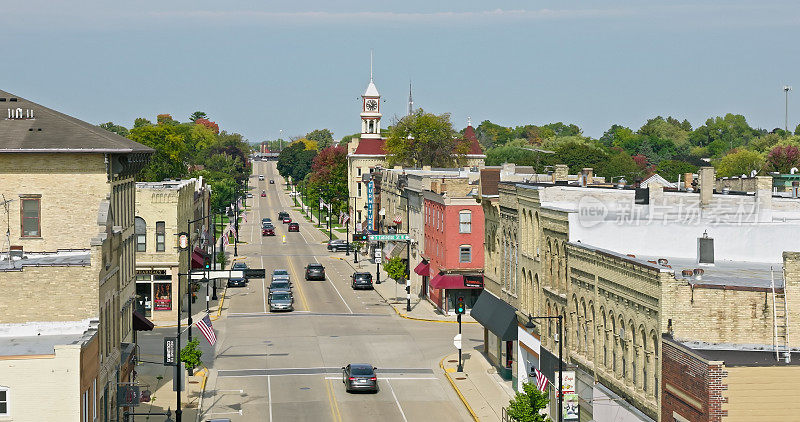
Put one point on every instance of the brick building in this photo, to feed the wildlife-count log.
(66, 318)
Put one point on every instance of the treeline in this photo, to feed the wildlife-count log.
(192, 149)
(666, 146)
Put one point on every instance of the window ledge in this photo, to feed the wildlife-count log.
(30, 238)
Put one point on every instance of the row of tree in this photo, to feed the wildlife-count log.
(192, 149)
(665, 146)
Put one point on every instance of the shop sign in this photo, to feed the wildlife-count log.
(163, 297)
(170, 351)
(151, 272)
(473, 281)
(163, 305)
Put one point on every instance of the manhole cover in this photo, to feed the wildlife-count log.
(461, 378)
(452, 361)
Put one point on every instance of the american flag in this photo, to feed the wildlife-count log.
(541, 380)
(204, 325)
(244, 216)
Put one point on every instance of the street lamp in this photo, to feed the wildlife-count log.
(786, 89)
(559, 326)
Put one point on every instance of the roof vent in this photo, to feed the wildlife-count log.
(698, 273)
(686, 273)
(705, 249)
(663, 261)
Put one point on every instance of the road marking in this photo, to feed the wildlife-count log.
(264, 286)
(396, 401)
(241, 314)
(226, 413)
(394, 378)
(238, 391)
(337, 416)
(269, 396)
(299, 283)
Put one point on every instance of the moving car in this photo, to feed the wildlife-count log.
(361, 281)
(249, 195)
(266, 220)
(360, 376)
(268, 231)
(294, 227)
(339, 245)
(280, 285)
(280, 274)
(281, 301)
(282, 214)
(263, 194)
(271, 182)
(287, 220)
(260, 177)
(237, 282)
(315, 271)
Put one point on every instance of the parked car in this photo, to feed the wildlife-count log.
(361, 281)
(315, 271)
(266, 220)
(339, 245)
(268, 231)
(280, 285)
(280, 274)
(281, 301)
(271, 182)
(294, 227)
(260, 177)
(249, 195)
(237, 282)
(263, 194)
(359, 376)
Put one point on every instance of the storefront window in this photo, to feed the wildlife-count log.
(163, 296)
(160, 236)
(144, 303)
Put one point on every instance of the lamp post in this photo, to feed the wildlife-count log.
(786, 89)
(236, 223)
(559, 326)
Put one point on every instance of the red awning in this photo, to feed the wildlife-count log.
(449, 281)
(197, 258)
(423, 269)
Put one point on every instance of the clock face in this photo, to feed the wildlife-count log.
(371, 105)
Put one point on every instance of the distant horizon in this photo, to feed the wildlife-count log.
(258, 68)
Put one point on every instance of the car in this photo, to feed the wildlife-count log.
(268, 231)
(280, 274)
(263, 194)
(282, 214)
(249, 195)
(294, 227)
(361, 281)
(287, 220)
(266, 220)
(315, 271)
(280, 285)
(360, 376)
(281, 301)
(271, 182)
(240, 266)
(260, 177)
(237, 282)
(339, 245)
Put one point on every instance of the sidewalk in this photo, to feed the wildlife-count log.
(158, 379)
(479, 387)
(394, 294)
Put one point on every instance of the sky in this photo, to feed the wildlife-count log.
(262, 67)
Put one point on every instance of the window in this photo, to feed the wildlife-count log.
(465, 253)
(465, 221)
(30, 217)
(358, 169)
(160, 234)
(359, 189)
(4, 401)
(85, 407)
(140, 230)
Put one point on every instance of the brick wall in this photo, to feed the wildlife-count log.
(686, 385)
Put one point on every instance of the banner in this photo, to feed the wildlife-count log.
(570, 395)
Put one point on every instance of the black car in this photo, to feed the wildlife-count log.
(271, 182)
(237, 282)
(240, 266)
(361, 281)
(339, 245)
(315, 271)
(359, 376)
(282, 215)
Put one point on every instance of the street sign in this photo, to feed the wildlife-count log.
(378, 260)
(128, 395)
(200, 274)
(388, 237)
(378, 253)
(457, 341)
(254, 273)
(170, 354)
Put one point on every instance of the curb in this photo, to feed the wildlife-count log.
(458, 392)
(202, 393)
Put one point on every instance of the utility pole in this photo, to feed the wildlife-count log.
(786, 89)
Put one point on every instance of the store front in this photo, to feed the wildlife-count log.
(445, 289)
(154, 293)
(499, 321)
(423, 269)
(528, 351)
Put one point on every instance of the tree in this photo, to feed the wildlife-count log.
(673, 169)
(579, 154)
(395, 268)
(169, 159)
(346, 139)
(526, 405)
(617, 136)
(141, 121)
(783, 157)
(191, 355)
(797, 130)
(668, 129)
(329, 169)
(739, 162)
(166, 119)
(620, 163)
(207, 123)
(111, 127)
(422, 139)
(731, 130)
(324, 137)
(295, 161)
(198, 115)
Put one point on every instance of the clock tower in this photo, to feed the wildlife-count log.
(371, 111)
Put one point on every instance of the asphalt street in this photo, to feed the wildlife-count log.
(287, 366)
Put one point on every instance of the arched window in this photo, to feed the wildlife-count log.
(140, 230)
(465, 221)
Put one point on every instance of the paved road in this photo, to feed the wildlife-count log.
(286, 367)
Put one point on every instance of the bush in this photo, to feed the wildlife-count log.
(191, 354)
(525, 406)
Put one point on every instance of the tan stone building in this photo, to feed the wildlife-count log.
(67, 263)
(162, 212)
(623, 267)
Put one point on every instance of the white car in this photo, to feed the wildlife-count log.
(260, 177)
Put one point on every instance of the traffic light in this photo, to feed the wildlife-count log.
(460, 307)
(360, 237)
(207, 263)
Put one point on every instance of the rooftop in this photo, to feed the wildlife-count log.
(369, 146)
(166, 184)
(29, 127)
(735, 354)
(60, 258)
(40, 338)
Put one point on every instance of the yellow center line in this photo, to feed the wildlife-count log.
(335, 413)
(298, 282)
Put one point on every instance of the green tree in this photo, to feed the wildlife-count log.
(191, 354)
(669, 129)
(295, 161)
(141, 121)
(424, 139)
(490, 134)
(324, 138)
(619, 136)
(740, 162)
(395, 268)
(111, 127)
(731, 130)
(672, 169)
(329, 170)
(346, 139)
(797, 130)
(169, 160)
(579, 154)
(526, 405)
(198, 115)
(619, 163)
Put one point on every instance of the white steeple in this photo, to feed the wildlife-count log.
(371, 108)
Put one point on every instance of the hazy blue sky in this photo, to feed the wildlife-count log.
(260, 66)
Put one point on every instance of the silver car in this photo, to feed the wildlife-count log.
(281, 301)
(281, 274)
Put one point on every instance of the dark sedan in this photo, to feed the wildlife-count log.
(339, 245)
(315, 271)
(361, 281)
(294, 227)
(237, 282)
(359, 376)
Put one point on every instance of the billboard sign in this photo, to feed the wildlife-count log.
(570, 395)
(370, 191)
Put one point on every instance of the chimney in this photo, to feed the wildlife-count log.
(707, 181)
(655, 193)
(764, 198)
(687, 180)
(509, 168)
(588, 176)
(561, 173)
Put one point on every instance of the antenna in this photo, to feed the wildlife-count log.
(370, 65)
(410, 99)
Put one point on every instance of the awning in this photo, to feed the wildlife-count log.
(197, 258)
(496, 316)
(449, 281)
(140, 323)
(393, 249)
(423, 269)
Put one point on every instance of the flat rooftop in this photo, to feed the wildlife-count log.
(166, 184)
(737, 354)
(60, 258)
(40, 338)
